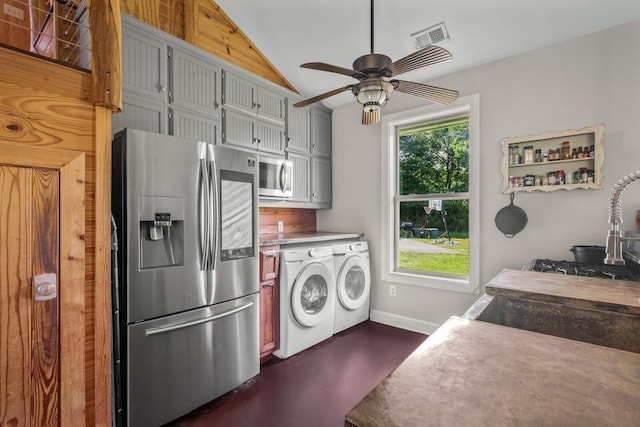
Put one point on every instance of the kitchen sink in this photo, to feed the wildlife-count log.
(596, 323)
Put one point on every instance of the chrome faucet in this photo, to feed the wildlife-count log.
(614, 240)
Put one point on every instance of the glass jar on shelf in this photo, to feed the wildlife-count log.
(566, 150)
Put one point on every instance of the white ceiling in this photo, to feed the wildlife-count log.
(292, 32)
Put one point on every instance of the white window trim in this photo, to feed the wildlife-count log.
(389, 229)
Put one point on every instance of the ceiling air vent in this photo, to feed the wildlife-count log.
(437, 34)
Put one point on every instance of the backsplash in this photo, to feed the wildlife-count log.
(293, 220)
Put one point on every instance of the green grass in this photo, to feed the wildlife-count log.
(436, 262)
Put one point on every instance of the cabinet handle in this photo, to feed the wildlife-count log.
(267, 284)
(163, 89)
(270, 254)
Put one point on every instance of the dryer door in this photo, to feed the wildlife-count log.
(354, 282)
(311, 295)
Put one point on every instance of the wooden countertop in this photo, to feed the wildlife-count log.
(587, 292)
(473, 373)
(305, 237)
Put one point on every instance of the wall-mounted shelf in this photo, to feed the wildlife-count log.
(534, 167)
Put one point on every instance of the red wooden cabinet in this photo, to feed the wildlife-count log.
(269, 300)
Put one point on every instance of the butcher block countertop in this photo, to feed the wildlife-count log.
(473, 373)
(587, 292)
(476, 373)
(292, 238)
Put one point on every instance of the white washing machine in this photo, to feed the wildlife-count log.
(353, 284)
(307, 298)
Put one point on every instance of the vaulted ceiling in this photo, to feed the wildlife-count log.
(291, 32)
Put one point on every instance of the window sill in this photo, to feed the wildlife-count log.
(435, 282)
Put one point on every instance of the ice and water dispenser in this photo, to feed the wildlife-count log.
(161, 231)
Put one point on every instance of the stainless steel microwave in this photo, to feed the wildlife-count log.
(275, 177)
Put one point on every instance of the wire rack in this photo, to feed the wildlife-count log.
(55, 29)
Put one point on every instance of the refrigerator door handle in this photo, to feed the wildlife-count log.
(215, 221)
(203, 200)
(163, 329)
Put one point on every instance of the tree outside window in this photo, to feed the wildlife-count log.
(432, 197)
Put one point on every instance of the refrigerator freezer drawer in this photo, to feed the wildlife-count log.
(180, 362)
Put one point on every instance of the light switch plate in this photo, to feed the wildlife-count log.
(280, 226)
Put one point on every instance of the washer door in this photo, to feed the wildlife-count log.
(354, 282)
(310, 295)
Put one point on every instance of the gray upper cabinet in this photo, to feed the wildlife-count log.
(243, 131)
(140, 113)
(297, 128)
(320, 132)
(194, 82)
(301, 177)
(321, 182)
(246, 96)
(186, 124)
(144, 65)
(172, 87)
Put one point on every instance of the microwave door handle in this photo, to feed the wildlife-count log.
(284, 177)
(203, 213)
(214, 203)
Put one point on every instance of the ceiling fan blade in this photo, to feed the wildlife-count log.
(322, 96)
(333, 69)
(428, 56)
(430, 93)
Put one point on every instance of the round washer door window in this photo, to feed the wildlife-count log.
(354, 282)
(310, 295)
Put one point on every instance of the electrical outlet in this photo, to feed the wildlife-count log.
(280, 226)
(392, 290)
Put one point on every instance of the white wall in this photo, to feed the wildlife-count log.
(590, 80)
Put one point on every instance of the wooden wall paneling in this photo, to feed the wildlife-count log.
(215, 32)
(102, 277)
(166, 15)
(14, 30)
(15, 254)
(294, 220)
(106, 60)
(45, 105)
(72, 283)
(45, 329)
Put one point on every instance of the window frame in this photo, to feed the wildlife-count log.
(468, 105)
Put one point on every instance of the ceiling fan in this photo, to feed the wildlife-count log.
(374, 86)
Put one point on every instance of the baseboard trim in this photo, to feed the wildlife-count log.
(403, 322)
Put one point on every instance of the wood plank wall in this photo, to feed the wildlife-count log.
(204, 24)
(43, 104)
(294, 220)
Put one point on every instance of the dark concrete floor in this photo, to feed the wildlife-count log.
(314, 388)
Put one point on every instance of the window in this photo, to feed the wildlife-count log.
(430, 223)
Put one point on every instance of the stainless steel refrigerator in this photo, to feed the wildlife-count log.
(187, 227)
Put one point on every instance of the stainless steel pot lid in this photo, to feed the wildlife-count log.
(511, 219)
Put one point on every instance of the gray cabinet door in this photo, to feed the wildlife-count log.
(194, 82)
(270, 104)
(238, 93)
(320, 133)
(195, 126)
(140, 113)
(144, 64)
(238, 130)
(270, 137)
(297, 128)
(321, 181)
(301, 175)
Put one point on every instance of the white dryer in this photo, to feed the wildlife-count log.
(307, 298)
(353, 284)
